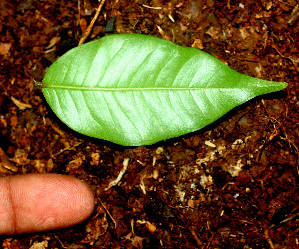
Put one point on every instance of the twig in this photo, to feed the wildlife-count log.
(154, 8)
(267, 237)
(87, 32)
(286, 57)
(120, 175)
(106, 210)
(79, 12)
(195, 237)
(275, 133)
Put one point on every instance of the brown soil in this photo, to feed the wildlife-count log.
(231, 185)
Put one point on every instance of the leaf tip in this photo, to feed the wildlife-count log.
(281, 85)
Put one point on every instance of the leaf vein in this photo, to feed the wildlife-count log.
(109, 63)
(198, 106)
(128, 116)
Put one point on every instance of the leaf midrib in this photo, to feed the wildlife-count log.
(90, 88)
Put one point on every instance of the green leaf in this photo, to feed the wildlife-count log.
(135, 89)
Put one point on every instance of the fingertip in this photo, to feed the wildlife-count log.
(39, 202)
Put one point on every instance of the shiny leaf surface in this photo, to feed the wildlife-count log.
(135, 89)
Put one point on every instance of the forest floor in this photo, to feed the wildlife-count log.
(233, 184)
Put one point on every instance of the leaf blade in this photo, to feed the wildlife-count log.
(138, 90)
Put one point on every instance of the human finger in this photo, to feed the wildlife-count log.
(38, 202)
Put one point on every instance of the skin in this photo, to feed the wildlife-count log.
(39, 202)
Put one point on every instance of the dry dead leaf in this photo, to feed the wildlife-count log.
(40, 245)
(4, 48)
(19, 104)
(53, 41)
(5, 164)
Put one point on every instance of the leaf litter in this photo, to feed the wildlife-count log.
(256, 209)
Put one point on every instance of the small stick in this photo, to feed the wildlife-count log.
(154, 8)
(267, 237)
(120, 175)
(106, 210)
(87, 32)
